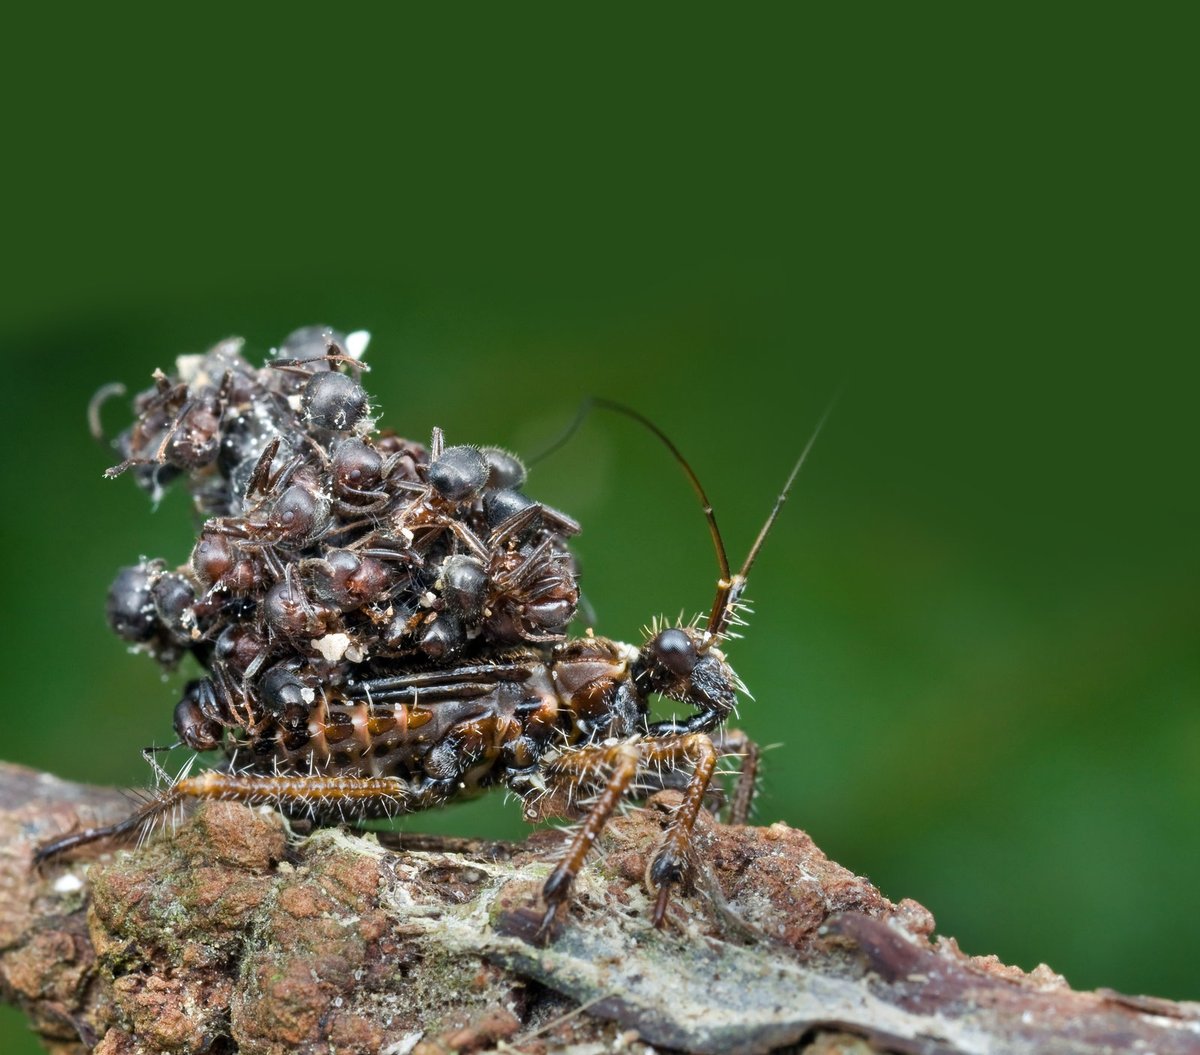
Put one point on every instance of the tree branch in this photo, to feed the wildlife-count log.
(228, 935)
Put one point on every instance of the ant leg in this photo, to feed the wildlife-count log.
(622, 761)
(669, 864)
(735, 742)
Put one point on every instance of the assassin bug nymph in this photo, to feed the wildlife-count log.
(394, 644)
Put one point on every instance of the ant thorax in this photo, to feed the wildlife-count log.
(382, 625)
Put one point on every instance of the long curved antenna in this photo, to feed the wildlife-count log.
(560, 441)
(729, 589)
(709, 515)
(585, 408)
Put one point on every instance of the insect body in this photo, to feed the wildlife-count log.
(383, 626)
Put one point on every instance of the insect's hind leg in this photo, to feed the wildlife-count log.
(321, 796)
(137, 821)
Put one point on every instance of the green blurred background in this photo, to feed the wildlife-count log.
(975, 637)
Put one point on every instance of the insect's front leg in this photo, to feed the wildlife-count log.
(669, 864)
(585, 766)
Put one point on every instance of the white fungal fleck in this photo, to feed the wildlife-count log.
(68, 884)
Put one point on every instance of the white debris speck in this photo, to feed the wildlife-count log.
(356, 343)
(333, 646)
(427, 599)
(188, 367)
(405, 1044)
(308, 695)
(67, 884)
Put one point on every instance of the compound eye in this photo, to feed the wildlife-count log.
(498, 506)
(297, 512)
(443, 637)
(465, 584)
(212, 557)
(459, 474)
(675, 651)
(196, 730)
(130, 606)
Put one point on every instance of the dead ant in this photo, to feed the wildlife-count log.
(349, 722)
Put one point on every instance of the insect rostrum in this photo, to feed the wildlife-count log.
(383, 625)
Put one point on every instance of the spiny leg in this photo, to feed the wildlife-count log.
(322, 795)
(621, 761)
(669, 864)
(735, 742)
(732, 805)
(136, 821)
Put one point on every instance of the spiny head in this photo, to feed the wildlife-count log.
(683, 663)
(730, 584)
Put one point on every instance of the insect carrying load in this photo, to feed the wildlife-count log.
(382, 625)
(329, 553)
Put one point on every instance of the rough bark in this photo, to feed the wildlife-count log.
(229, 934)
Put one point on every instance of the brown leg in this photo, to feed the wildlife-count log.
(670, 862)
(735, 742)
(136, 822)
(621, 762)
(344, 796)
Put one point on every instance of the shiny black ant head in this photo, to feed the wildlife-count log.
(683, 663)
(457, 474)
(196, 728)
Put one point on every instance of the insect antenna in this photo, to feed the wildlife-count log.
(585, 408)
(709, 515)
(729, 588)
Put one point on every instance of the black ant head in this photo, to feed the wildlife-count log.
(196, 728)
(684, 664)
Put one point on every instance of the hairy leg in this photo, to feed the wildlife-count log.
(342, 797)
(669, 864)
(585, 765)
(736, 743)
(616, 767)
